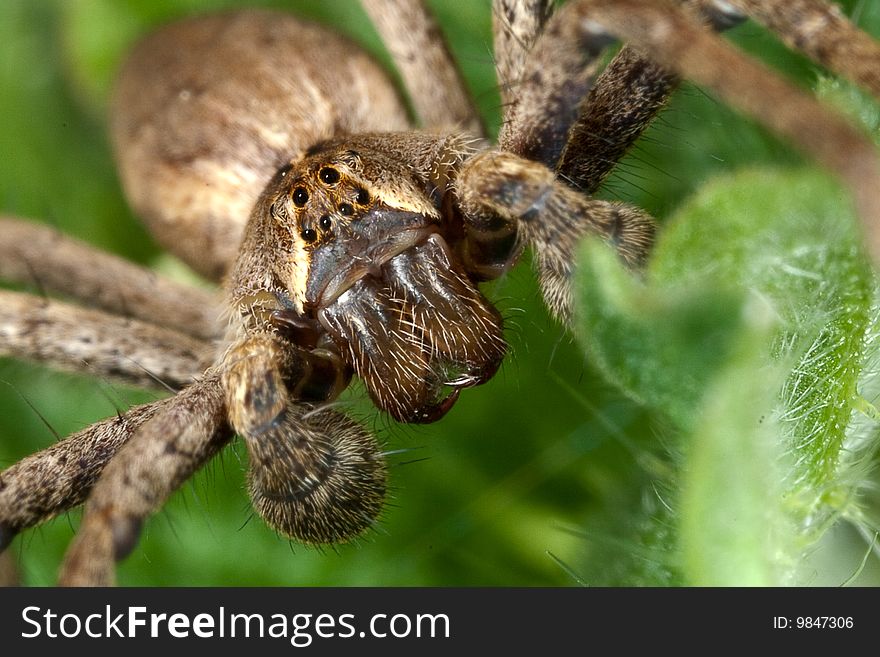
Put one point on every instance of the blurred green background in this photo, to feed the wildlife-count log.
(525, 483)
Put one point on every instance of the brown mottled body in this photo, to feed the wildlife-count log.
(516, 24)
(351, 245)
(823, 32)
(76, 339)
(348, 239)
(60, 477)
(102, 280)
(171, 444)
(436, 88)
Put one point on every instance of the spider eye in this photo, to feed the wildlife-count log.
(363, 196)
(326, 222)
(329, 175)
(300, 197)
(345, 209)
(309, 235)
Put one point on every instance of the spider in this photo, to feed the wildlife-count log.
(351, 244)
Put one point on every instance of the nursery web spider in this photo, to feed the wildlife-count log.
(351, 244)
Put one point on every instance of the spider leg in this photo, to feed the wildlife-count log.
(821, 31)
(509, 201)
(31, 253)
(618, 105)
(421, 55)
(165, 451)
(681, 44)
(315, 476)
(624, 100)
(60, 477)
(562, 112)
(74, 338)
(560, 70)
(501, 191)
(516, 25)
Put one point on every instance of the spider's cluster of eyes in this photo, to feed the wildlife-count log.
(329, 176)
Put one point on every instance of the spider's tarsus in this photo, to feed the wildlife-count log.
(318, 482)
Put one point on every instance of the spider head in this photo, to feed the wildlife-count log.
(344, 221)
(351, 243)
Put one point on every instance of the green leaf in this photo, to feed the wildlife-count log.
(792, 238)
(734, 531)
(749, 333)
(659, 343)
